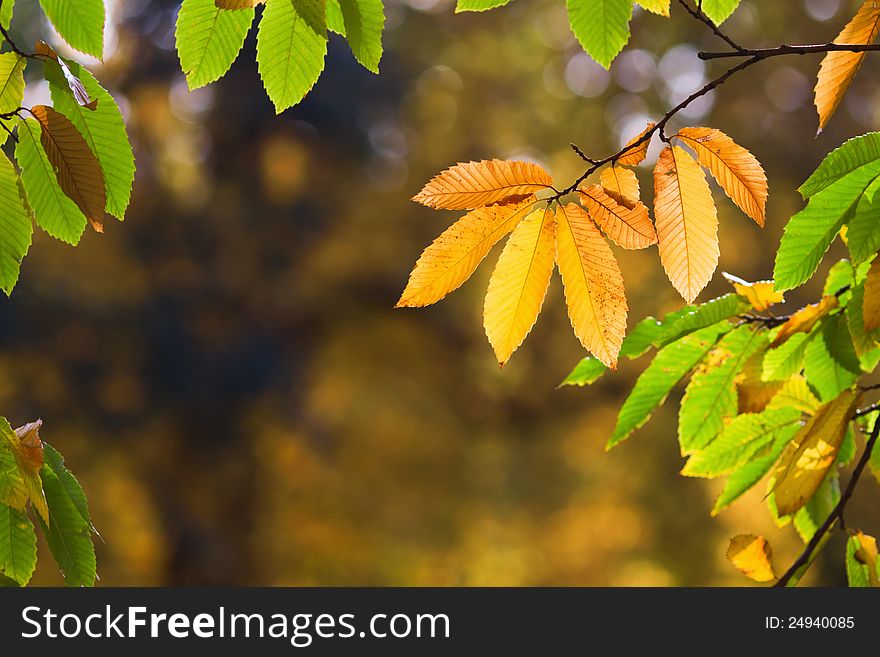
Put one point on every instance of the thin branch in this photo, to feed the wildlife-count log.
(836, 513)
(785, 49)
(701, 16)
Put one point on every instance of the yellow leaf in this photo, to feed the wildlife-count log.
(867, 555)
(751, 555)
(795, 393)
(636, 155)
(811, 453)
(519, 283)
(761, 294)
(594, 292)
(76, 167)
(621, 185)
(660, 7)
(805, 319)
(28, 452)
(871, 307)
(752, 394)
(687, 223)
(839, 68)
(475, 184)
(451, 259)
(738, 172)
(629, 228)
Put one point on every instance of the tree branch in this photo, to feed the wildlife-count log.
(836, 513)
(785, 49)
(698, 13)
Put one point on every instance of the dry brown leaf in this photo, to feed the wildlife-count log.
(636, 155)
(519, 283)
(630, 228)
(811, 453)
(620, 184)
(451, 259)
(751, 555)
(687, 223)
(839, 68)
(761, 294)
(594, 292)
(871, 308)
(737, 171)
(76, 167)
(805, 319)
(475, 184)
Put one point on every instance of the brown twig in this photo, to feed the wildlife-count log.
(786, 49)
(836, 513)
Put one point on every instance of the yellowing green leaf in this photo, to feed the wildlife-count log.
(862, 565)
(871, 307)
(660, 7)
(761, 294)
(751, 555)
(805, 319)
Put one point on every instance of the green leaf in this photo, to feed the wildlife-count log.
(68, 534)
(335, 21)
(585, 372)
(53, 210)
(68, 482)
(810, 232)
(719, 10)
(478, 5)
(79, 22)
(865, 345)
(862, 562)
(363, 21)
(601, 26)
(830, 362)
(15, 226)
(11, 82)
(863, 229)
(103, 129)
(6, 13)
(786, 359)
(18, 545)
(13, 491)
(209, 40)
(692, 318)
(750, 473)
(852, 155)
(839, 276)
(811, 516)
(747, 436)
(710, 397)
(669, 366)
(291, 46)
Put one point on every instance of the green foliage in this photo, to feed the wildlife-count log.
(80, 23)
(363, 21)
(601, 26)
(11, 82)
(15, 226)
(719, 10)
(6, 13)
(830, 362)
(479, 5)
(18, 545)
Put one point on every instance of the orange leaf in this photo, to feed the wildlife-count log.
(451, 259)
(687, 223)
(637, 154)
(621, 185)
(751, 555)
(593, 284)
(738, 172)
(629, 228)
(839, 68)
(805, 319)
(76, 167)
(519, 283)
(475, 184)
(871, 308)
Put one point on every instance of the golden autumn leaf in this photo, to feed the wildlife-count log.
(867, 555)
(811, 453)
(636, 154)
(687, 223)
(659, 7)
(760, 294)
(737, 171)
(805, 319)
(752, 393)
(30, 444)
(475, 184)
(594, 292)
(871, 309)
(795, 393)
(838, 69)
(630, 228)
(751, 555)
(451, 259)
(76, 167)
(519, 283)
(28, 452)
(620, 184)
(237, 4)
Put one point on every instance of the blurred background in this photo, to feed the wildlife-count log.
(226, 374)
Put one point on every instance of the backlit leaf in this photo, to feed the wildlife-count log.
(795, 393)
(750, 472)
(68, 482)
(18, 545)
(633, 154)
(11, 81)
(806, 461)
(451, 259)
(475, 184)
(29, 475)
(660, 7)
(871, 308)
(519, 283)
(751, 555)
(785, 360)
(479, 5)
(737, 171)
(15, 226)
(52, 62)
(364, 21)
(586, 372)
(719, 10)
(621, 184)
(838, 69)
(594, 292)
(6, 13)
(630, 228)
(79, 22)
(830, 361)
(804, 319)
(601, 26)
(761, 294)
(238, 4)
(862, 565)
(687, 223)
(209, 40)
(858, 153)
(691, 318)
